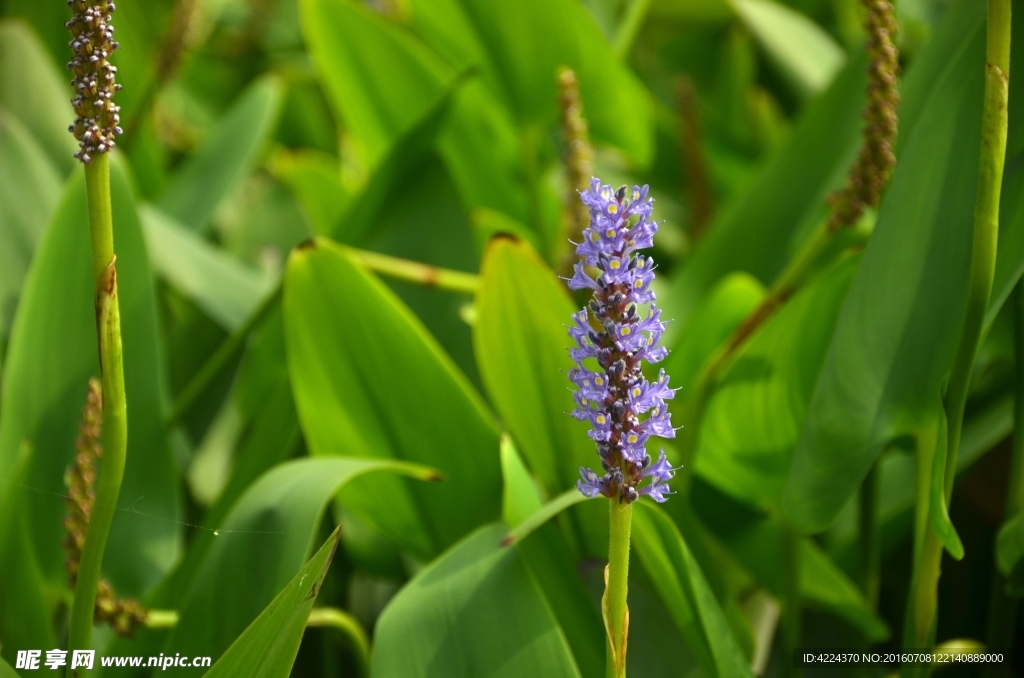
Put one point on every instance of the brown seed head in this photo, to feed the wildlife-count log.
(98, 121)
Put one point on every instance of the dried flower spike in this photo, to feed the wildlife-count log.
(122, 614)
(97, 124)
(577, 156)
(614, 397)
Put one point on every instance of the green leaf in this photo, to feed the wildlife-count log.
(760, 231)
(6, 671)
(805, 54)
(753, 418)
(711, 323)
(29, 189)
(1010, 554)
(223, 287)
(228, 154)
(938, 512)
(35, 92)
(897, 333)
(273, 524)
(474, 612)
(51, 356)
(26, 616)
(546, 557)
(677, 578)
(381, 80)
(519, 47)
(314, 177)
(543, 514)
(522, 350)
(370, 381)
(267, 648)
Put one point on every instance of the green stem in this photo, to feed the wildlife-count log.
(416, 272)
(870, 537)
(793, 604)
(616, 612)
(115, 421)
(924, 589)
(1002, 615)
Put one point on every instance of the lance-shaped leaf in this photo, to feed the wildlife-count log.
(29, 189)
(228, 154)
(1010, 555)
(370, 381)
(475, 612)
(51, 356)
(896, 335)
(268, 647)
(274, 524)
(677, 578)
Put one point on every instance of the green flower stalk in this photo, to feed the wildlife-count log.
(96, 128)
(922, 606)
(614, 397)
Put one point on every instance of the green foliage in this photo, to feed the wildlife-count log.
(297, 186)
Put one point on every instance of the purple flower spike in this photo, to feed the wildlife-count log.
(614, 397)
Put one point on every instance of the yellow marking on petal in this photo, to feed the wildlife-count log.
(584, 401)
(636, 392)
(650, 340)
(599, 381)
(615, 264)
(610, 233)
(601, 419)
(631, 438)
(636, 195)
(625, 331)
(606, 192)
(613, 208)
(594, 237)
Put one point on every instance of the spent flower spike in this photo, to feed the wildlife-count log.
(99, 118)
(614, 397)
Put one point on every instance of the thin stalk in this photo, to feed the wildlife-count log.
(416, 272)
(115, 421)
(983, 259)
(1003, 609)
(870, 537)
(616, 613)
(792, 631)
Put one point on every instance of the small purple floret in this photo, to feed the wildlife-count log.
(613, 397)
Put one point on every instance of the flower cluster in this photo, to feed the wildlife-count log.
(99, 118)
(615, 396)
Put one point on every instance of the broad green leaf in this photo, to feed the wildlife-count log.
(380, 79)
(226, 289)
(273, 524)
(896, 335)
(26, 615)
(520, 46)
(522, 349)
(753, 419)
(6, 671)
(548, 560)
(474, 612)
(677, 578)
(1010, 554)
(29, 189)
(803, 51)
(711, 323)
(51, 356)
(370, 381)
(34, 91)
(760, 231)
(529, 523)
(267, 648)
(227, 155)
